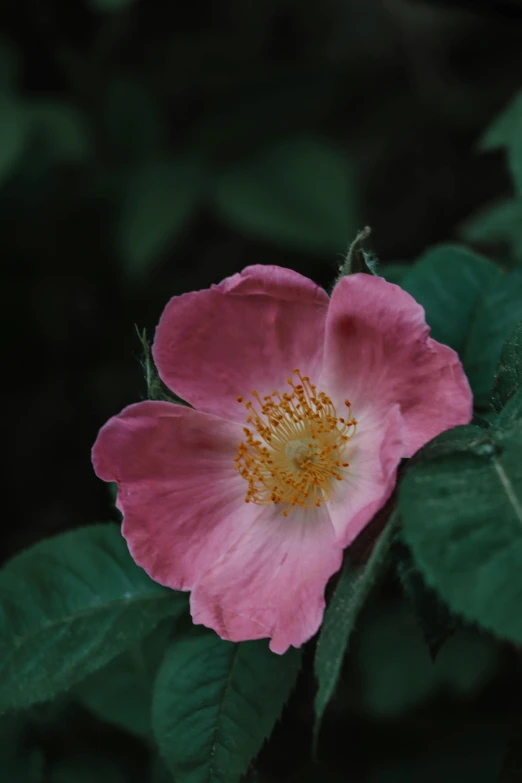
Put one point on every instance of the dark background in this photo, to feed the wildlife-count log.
(404, 88)
(104, 101)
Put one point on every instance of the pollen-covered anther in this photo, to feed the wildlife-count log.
(296, 451)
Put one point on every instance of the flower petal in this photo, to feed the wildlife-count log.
(373, 454)
(182, 501)
(271, 582)
(246, 333)
(378, 352)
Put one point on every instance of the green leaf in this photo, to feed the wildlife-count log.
(113, 492)
(449, 282)
(497, 223)
(506, 129)
(509, 372)
(61, 130)
(470, 305)
(433, 617)
(156, 389)
(469, 545)
(511, 413)
(215, 703)
(159, 772)
(87, 769)
(515, 162)
(68, 605)
(394, 273)
(468, 661)
(497, 314)
(350, 594)
(159, 198)
(121, 692)
(20, 762)
(299, 193)
(13, 127)
(452, 442)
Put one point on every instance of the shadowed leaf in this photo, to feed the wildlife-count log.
(215, 703)
(68, 605)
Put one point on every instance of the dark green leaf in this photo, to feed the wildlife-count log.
(511, 413)
(61, 130)
(215, 703)
(350, 594)
(159, 772)
(299, 193)
(451, 442)
(484, 420)
(159, 198)
(433, 617)
(462, 517)
(500, 222)
(449, 282)
(156, 389)
(468, 661)
(121, 692)
(113, 492)
(506, 129)
(509, 372)
(470, 305)
(515, 162)
(394, 273)
(497, 314)
(68, 606)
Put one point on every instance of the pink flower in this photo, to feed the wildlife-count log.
(345, 388)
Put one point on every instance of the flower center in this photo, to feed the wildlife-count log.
(293, 449)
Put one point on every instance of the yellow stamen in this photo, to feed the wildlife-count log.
(294, 453)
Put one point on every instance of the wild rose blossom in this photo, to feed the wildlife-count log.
(302, 406)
